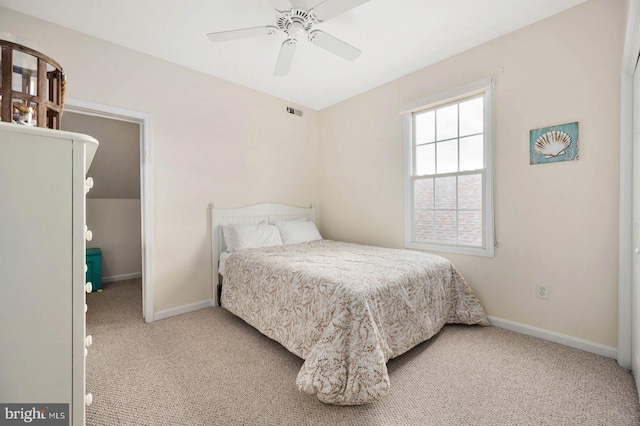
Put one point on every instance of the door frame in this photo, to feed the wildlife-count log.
(146, 200)
(625, 250)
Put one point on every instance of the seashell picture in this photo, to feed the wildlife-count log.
(554, 144)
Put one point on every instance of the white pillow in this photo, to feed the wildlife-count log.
(293, 232)
(239, 237)
(230, 233)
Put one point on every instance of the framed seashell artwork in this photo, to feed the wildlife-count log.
(554, 144)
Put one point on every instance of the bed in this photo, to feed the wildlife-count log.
(346, 309)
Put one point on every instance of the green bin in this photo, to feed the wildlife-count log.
(94, 268)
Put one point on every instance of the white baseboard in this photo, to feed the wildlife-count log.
(182, 309)
(552, 336)
(122, 277)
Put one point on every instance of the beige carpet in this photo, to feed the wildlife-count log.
(210, 368)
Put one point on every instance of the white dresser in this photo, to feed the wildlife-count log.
(42, 266)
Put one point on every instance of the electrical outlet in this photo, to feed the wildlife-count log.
(542, 292)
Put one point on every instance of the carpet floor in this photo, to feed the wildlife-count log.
(210, 368)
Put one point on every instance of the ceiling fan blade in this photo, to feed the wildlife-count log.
(281, 4)
(299, 4)
(334, 45)
(330, 8)
(242, 33)
(285, 58)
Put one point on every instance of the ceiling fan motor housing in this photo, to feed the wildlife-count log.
(295, 22)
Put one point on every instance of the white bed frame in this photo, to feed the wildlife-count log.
(270, 212)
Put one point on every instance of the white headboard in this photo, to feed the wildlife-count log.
(257, 213)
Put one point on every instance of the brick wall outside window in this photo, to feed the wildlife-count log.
(435, 217)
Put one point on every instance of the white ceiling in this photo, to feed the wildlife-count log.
(396, 37)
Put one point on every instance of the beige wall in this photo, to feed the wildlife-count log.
(556, 224)
(115, 225)
(211, 141)
(115, 168)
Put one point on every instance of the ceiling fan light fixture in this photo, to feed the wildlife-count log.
(294, 30)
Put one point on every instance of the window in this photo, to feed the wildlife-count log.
(448, 171)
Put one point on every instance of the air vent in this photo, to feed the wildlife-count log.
(294, 111)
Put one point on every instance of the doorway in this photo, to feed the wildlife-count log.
(76, 110)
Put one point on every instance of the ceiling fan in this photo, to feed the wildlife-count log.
(297, 20)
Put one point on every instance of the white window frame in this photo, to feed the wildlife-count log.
(484, 87)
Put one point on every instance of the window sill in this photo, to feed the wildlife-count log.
(471, 251)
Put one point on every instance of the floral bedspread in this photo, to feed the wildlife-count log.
(346, 309)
